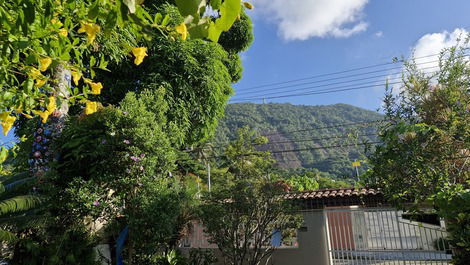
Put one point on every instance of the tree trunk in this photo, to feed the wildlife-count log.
(46, 133)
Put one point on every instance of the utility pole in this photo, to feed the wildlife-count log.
(209, 176)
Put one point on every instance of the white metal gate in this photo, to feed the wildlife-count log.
(382, 236)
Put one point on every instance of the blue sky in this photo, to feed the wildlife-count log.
(301, 38)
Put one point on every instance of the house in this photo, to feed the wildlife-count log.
(352, 226)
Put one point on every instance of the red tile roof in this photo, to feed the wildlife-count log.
(333, 193)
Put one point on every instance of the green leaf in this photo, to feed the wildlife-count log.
(158, 18)
(188, 7)
(7, 236)
(92, 61)
(229, 12)
(214, 32)
(215, 4)
(199, 31)
(166, 20)
(130, 5)
(29, 12)
(94, 11)
(3, 154)
(18, 204)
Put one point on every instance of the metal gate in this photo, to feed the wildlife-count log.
(383, 236)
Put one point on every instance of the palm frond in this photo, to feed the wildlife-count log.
(26, 221)
(7, 236)
(18, 204)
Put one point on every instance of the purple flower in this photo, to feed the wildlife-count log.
(124, 112)
(127, 142)
(103, 141)
(142, 155)
(135, 159)
(96, 203)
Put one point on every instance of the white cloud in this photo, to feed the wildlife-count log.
(434, 43)
(379, 34)
(304, 19)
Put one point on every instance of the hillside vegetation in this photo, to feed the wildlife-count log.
(294, 127)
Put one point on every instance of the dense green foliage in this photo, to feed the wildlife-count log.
(277, 121)
(197, 76)
(425, 151)
(119, 166)
(241, 214)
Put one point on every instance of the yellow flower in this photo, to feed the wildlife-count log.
(40, 82)
(51, 106)
(63, 32)
(182, 30)
(27, 115)
(43, 114)
(57, 22)
(248, 5)
(7, 122)
(96, 88)
(76, 77)
(90, 29)
(44, 63)
(139, 54)
(34, 73)
(4, 115)
(90, 107)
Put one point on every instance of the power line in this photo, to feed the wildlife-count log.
(329, 84)
(329, 127)
(339, 72)
(314, 93)
(327, 90)
(318, 139)
(219, 145)
(321, 147)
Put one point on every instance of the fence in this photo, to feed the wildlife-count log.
(383, 236)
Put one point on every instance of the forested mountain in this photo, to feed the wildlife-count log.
(338, 128)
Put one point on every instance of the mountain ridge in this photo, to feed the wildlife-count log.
(328, 135)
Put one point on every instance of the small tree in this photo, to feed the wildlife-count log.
(242, 216)
(425, 153)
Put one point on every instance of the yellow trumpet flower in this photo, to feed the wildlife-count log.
(90, 29)
(139, 54)
(27, 115)
(7, 122)
(95, 87)
(63, 32)
(40, 82)
(91, 107)
(43, 114)
(76, 77)
(51, 106)
(34, 73)
(182, 30)
(55, 21)
(44, 63)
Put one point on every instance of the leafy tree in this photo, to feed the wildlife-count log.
(424, 157)
(241, 216)
(114, 161)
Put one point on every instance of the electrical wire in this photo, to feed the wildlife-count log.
(333, 79)
(341, 72)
